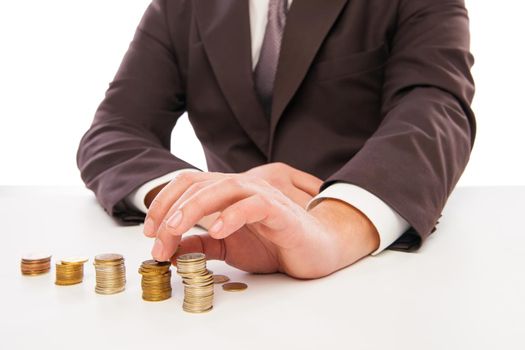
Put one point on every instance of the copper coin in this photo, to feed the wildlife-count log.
(234, 287)
(218, 279)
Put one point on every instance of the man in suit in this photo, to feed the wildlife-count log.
(332, 129)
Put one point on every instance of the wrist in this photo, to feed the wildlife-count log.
(353, 234)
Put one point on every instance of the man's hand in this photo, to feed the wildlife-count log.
(259, 229)
(297, 185)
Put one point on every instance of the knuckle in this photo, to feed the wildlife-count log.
(194, 206)
(154, 207)
(197, 186)
(280, 165)
(233, 216)
(254, 179)
(230, 216)
(263, 200)
(184, 177)
(232, 181)
(277, 181)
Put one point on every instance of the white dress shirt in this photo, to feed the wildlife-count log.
(389, 224)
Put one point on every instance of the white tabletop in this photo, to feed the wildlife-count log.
(463, 290)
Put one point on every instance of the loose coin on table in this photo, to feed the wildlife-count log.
(35, 264)
(218, 279)
(234, 287)
(197, 281)
(70, 271)
(110, 273)
(156, 280)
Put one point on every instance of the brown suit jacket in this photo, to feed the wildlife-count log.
(371, 92)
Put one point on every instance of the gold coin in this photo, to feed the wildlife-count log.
(156, 263)
(156, 280)
(74, 260)
(218, 279)
(234, 286)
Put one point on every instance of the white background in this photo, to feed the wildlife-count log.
(57, 58)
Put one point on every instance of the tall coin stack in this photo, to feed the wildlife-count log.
(156, 280)
(110, 273)
(197, 281)
(70, 271)
(35, 264)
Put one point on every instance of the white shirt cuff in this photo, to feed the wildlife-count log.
(388, 223)
(136, 198)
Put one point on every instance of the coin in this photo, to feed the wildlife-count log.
(156, 280)
(234, 286)
(197, 281)
(191, 257)
(108, 257)
(218, 279)
(74, 260)
(35, 264)
(70, 271)
(36, 256)
(110, 273)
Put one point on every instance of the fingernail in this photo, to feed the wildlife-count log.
(216, 227)
(158, 250)
(175, 219)
(149, 227)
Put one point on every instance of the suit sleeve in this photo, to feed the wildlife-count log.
(128, 142)
(416, 156)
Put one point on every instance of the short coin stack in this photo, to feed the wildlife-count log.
(198, 282)
(156, 280)
(110, 273)
(70, 271)
(35, 264)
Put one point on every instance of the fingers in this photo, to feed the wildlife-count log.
(278, 223)
(214, 249)
(164, 247)
(306, 182)
(215, 197)
(168, 195)
(190, 191)
(249, 210)
(297, 195)
(207, 221)
(284, 176)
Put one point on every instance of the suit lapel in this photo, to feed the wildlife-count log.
(307, 24)
(224, 26)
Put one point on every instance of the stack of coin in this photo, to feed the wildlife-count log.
(110, 273)
(35, 264)
(70, 271)
(198, 282)
(156, 280)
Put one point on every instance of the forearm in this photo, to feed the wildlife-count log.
(128, 142)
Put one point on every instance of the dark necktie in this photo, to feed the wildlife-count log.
(267, 65)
